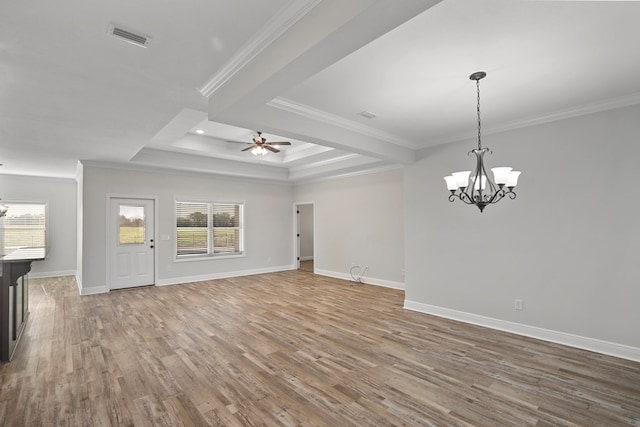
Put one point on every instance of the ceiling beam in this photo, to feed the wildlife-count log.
(190, 162)
(328, 32)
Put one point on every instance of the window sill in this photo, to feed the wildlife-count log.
(191, 258)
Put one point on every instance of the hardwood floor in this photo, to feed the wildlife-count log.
(292, 349)
(306, 265)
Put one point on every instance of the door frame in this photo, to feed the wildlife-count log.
(296, 231)
(110, 229)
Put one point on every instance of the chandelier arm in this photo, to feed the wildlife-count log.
(466, 198)
(499, 195)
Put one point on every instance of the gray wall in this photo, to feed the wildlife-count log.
(60, 195)
(359, 220)
(268, 219)
(568, 245)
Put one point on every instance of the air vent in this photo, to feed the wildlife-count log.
(367, 114)
(129, 36)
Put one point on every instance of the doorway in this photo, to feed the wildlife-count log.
(131, 243)
(305, 237)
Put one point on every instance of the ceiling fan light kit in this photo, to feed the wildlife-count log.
(478, 188)
(259, 151)
(260, 146)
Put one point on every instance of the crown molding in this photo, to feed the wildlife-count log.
(581, 110)
(350, 174)
(325, 162)
(37, 177)
(334, 120)
(167, 170)
(281, 21)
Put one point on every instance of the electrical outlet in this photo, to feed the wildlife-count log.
(518, 304)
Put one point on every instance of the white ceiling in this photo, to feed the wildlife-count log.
(300, 71)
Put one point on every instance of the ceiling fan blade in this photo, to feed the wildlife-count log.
(239, 142)
(270, 148)
(280, 143)
(248, 148)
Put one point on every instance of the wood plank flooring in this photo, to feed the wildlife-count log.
(288, 349)
(307, 265)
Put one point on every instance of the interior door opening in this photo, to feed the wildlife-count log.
(305, 247)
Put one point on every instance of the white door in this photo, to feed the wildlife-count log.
(131, 257)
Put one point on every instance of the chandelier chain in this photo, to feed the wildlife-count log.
(478, 109)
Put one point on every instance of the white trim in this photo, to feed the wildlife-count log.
(306, 258)
(335, 120)
(296, 231)
(571, 340)
(379, 169)
(138, 167)
(365, 280)
(331, 161)
(208, 256)
(223, 275)
(40, 178)
(582, 110)
(281, 21)
(94, 290)
(47, 274)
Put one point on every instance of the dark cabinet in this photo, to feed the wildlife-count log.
(14, 299)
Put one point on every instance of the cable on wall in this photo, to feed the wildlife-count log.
(359, 278)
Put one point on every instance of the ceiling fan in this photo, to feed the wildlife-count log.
(260, 145)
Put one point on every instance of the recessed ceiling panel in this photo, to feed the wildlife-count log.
(540, 56)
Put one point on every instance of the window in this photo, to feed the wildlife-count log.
(24, 225)
(208, 229)
(131, 225)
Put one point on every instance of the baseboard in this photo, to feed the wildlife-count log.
(577, 341)
(366, 280)
(188, 279)
(223, 275)
(45, 274)
(94, 290)
(306, 258)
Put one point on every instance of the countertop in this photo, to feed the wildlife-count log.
(23, 254)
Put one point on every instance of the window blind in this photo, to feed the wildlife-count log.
(227, 227)
(208, 228)
(192, 228)
(24, 226)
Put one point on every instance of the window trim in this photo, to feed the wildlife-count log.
(209, 255)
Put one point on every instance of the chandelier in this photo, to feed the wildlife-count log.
(478, 188)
